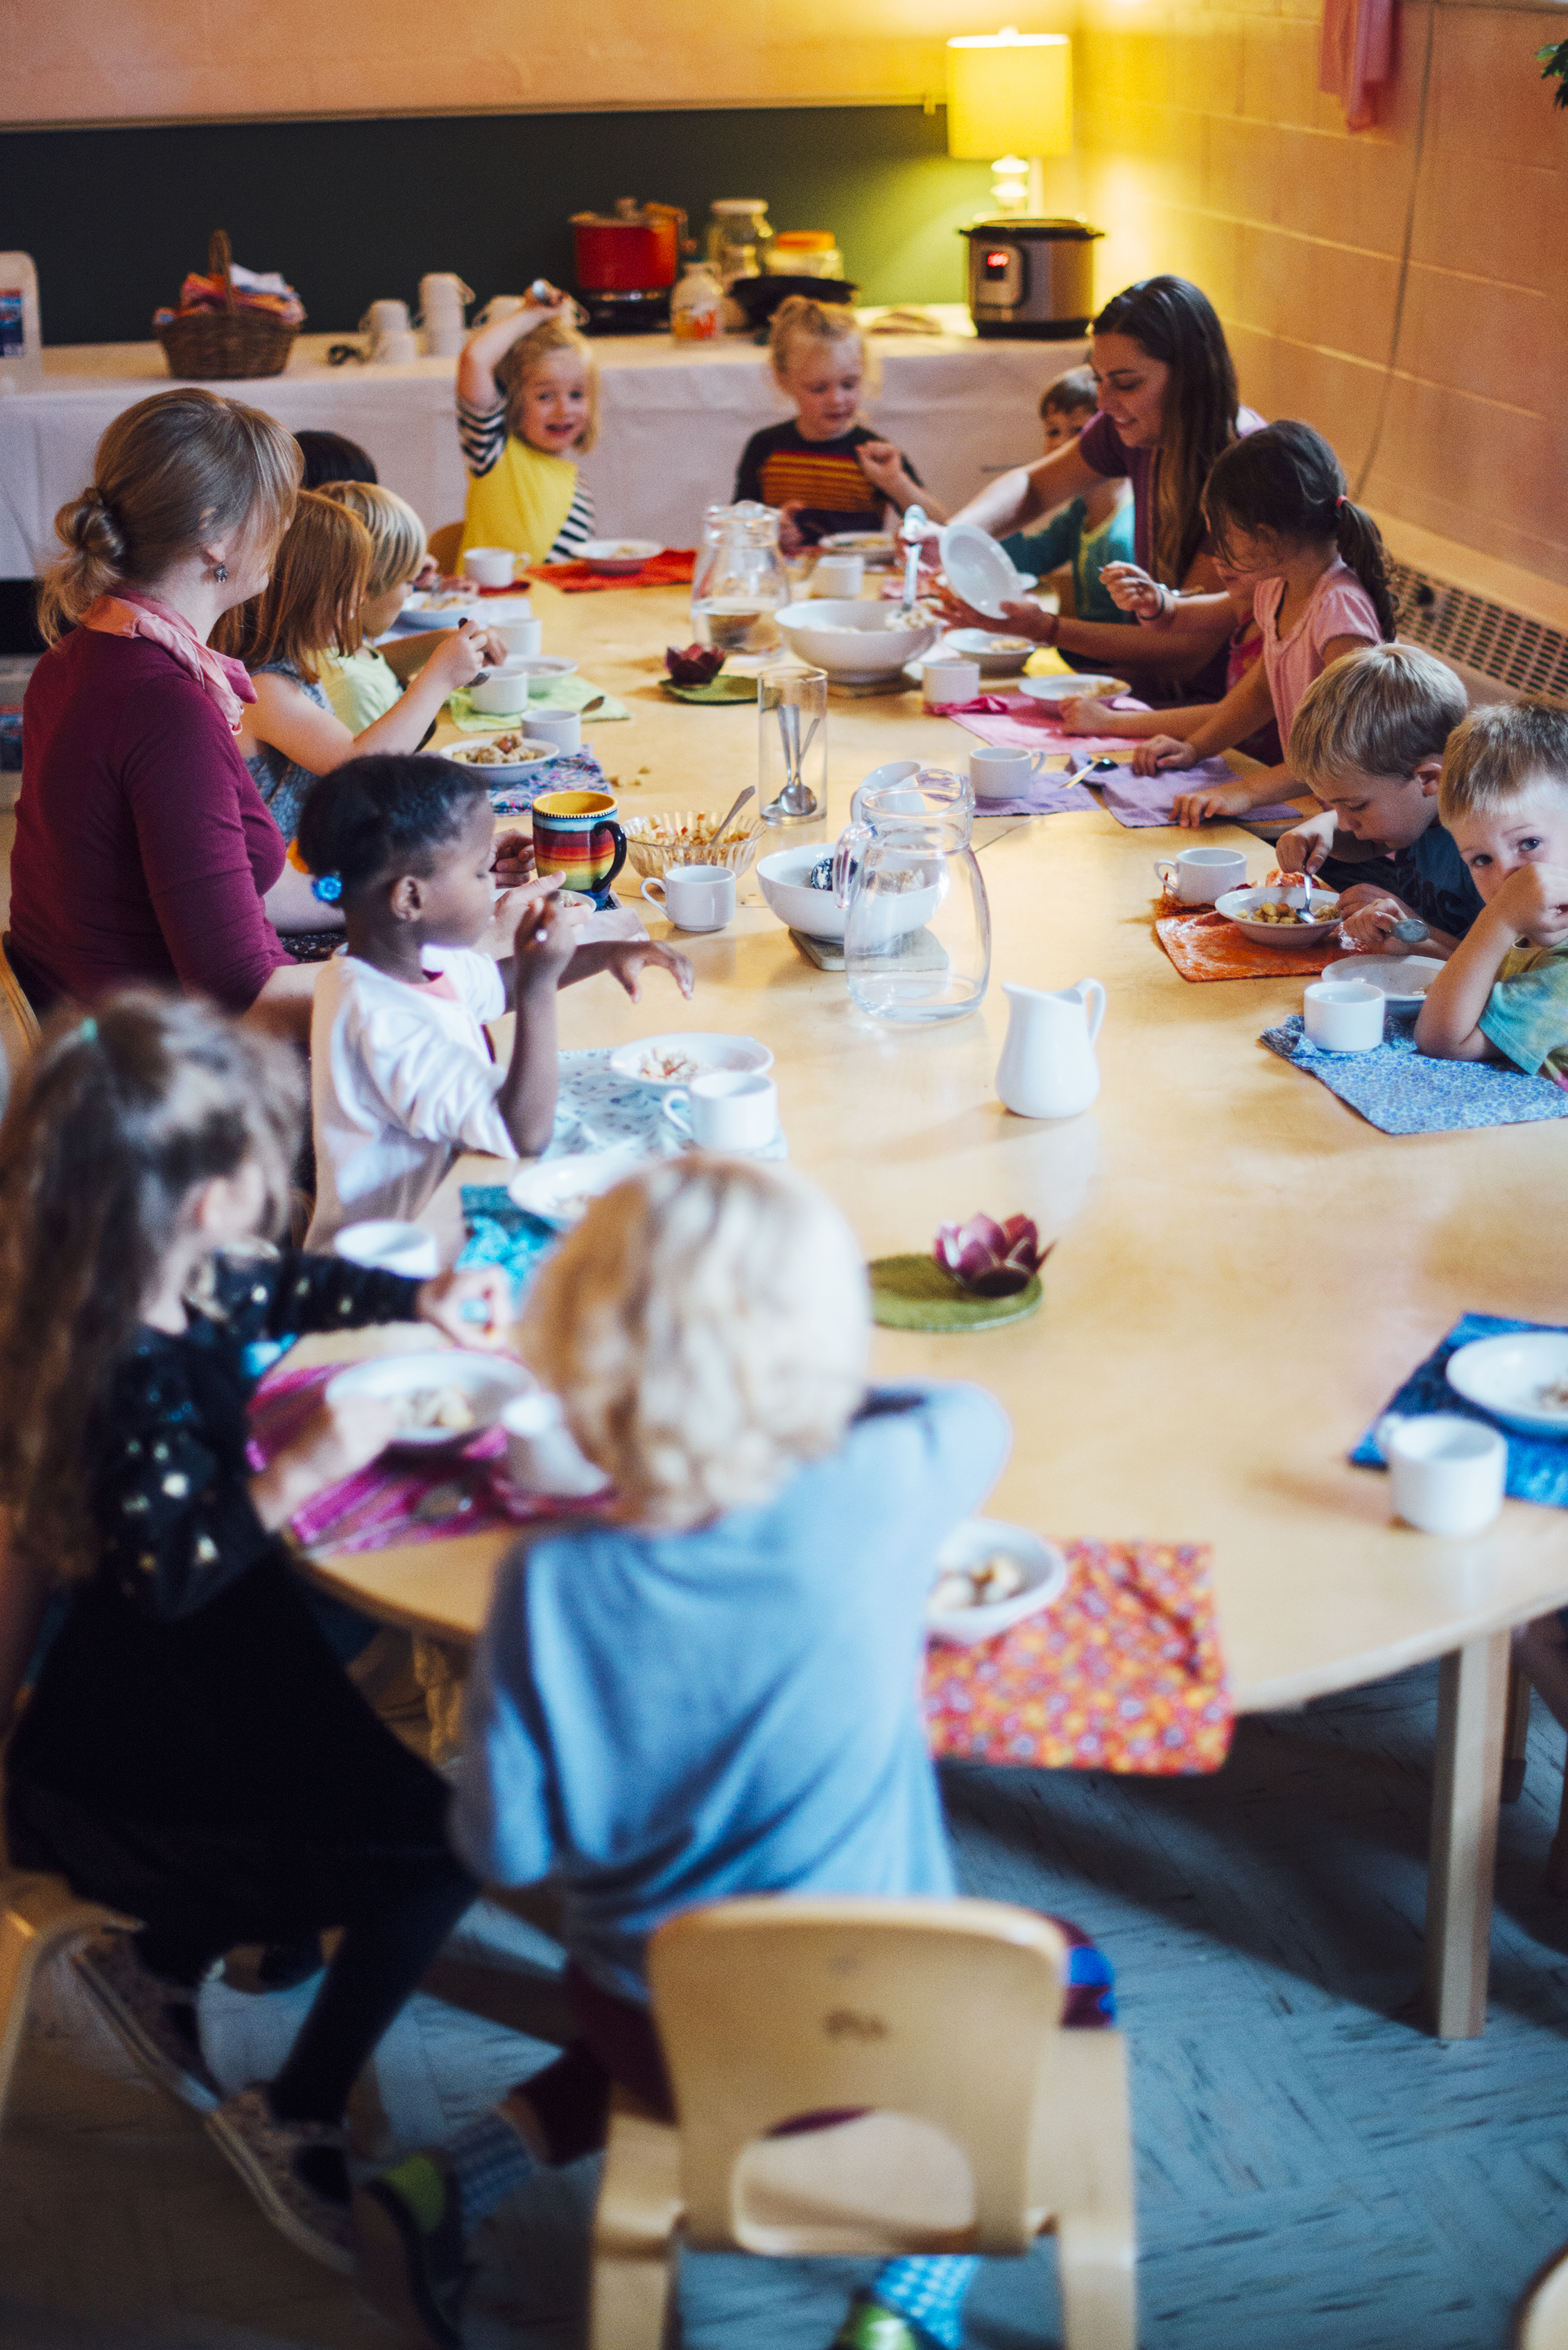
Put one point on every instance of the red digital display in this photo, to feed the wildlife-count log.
(997, 260)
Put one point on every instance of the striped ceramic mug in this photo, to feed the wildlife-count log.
(578, 841)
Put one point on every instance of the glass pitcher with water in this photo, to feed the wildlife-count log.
(742, 580)
(916, 931)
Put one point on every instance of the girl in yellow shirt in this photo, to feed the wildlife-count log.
(527, 403)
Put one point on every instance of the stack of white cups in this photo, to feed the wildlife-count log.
(392, 338)
(442, 296)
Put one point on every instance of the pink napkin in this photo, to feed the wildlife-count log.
(1022, 723)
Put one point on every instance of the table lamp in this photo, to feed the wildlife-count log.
(1009, 103)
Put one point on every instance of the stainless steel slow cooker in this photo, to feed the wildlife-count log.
(1031, 278)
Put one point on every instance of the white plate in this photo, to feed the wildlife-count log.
(557, 1190)
(1045, 1572)
(619, 555)
(489, 1382)
(1068, 688)
(1404, 978)
(418, 613)
(1237, 904)
(705, 1051)
(1505, 1377)
(875, 548)
(977, 570)
(505, 771)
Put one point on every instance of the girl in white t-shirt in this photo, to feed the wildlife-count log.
(402, 1073)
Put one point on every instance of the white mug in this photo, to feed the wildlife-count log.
(561, 728)
(838, 575)
(944, 682)
(1199, 876)
(500, 692)
(393, 348)
(999, 771)
(521, 639)
(442, 291)
(444, 337)
(541, 1455)
(490, 567)
(729, 1109)
(1447, 1473)
(385, 319)
(1344, 1015)
(695, 897)
(391, 1247)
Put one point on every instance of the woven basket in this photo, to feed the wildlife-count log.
(215, 346)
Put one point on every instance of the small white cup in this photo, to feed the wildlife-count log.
(521, 639)
(394, 349)
(385, 319)
(999, 771)
(391, 1247)
(729, 1109)
(944, 681)
(1199, 876)
(838, 575)
(1344, 1015)
(1447, 1473)
(695, 897)
(500, 692)
(541, 1455)
(444, 339)
(563, 728)
(490, 567)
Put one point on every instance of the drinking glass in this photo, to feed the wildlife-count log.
(792, 718)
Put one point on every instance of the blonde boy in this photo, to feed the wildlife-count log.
(362, 686)
(1503, 995)
(1367, 742)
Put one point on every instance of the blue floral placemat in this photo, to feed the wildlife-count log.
(1401, 1091)
(1537, 1465)
(569, 770)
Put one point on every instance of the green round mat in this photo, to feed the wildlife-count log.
(717, 690)
(914, 1292)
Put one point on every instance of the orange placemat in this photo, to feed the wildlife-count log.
(672, 568)
(1122, 1673)
(1206, 946)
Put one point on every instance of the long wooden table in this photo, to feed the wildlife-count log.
(1245, 1271)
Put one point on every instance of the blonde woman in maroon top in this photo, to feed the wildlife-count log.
(144, 853)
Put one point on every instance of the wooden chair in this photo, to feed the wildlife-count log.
(1541, 2320)
(981, 2123)
(443, 545)
(39, 1916)
(1515, 1743)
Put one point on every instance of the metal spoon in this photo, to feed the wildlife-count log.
(748, 794)
(1411, 932)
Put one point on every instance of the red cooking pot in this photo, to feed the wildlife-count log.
(633, 250)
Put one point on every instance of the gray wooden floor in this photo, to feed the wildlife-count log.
(1316, 2174)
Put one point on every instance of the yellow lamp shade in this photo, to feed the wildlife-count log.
(1009, 93)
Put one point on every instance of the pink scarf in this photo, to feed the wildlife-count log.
(133, 614)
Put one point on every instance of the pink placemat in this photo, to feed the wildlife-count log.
(377, 1506)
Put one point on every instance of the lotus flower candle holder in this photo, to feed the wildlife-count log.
(988, 1259)
(698, 665)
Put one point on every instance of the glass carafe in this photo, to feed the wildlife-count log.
(746, 584)
(917, 933)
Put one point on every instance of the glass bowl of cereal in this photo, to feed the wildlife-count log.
(689, 837)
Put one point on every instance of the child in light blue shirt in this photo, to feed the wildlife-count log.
(715, 1690)
(1091, 532)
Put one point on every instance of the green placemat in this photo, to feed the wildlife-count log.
(914, 1292)
(718, 689)
(560, 694)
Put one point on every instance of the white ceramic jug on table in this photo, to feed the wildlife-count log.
(1048, 1067)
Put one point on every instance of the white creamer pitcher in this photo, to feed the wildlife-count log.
(1048, 1067)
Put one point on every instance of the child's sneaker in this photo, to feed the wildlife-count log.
(295, 2170)
(151, 2017)
(867, 2325)
(407, 2232)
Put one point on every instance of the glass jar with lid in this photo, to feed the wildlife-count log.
(804, 253)
(739, 237)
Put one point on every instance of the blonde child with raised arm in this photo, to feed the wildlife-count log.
(1368, 744)
(824, 470)
(527, 408)
(1282, 526)
(1503, 995)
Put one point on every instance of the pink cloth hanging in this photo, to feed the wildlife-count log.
(1356, 61)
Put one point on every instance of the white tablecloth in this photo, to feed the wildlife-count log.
(674, 419)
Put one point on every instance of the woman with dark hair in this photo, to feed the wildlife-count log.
(144, 854)
(1167, 409)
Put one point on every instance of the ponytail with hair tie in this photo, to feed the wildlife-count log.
(1285, 481)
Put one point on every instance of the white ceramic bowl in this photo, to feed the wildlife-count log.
(499, 771)
(817, 912)
(1044, 1568)
(1507, 1376)
(874, 546)
(489, 1382)
(998, 655)
(851, 638)
(619, 555)
(557, 1190)
(1068, 688)
(1237, 905)
(699, 1050)
(979, 571)
(1404, 978)
(441, 609)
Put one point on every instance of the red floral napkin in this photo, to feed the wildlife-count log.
(672, 568)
